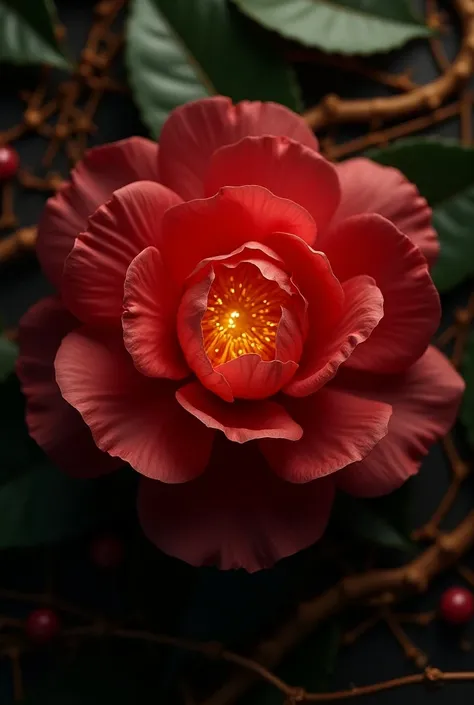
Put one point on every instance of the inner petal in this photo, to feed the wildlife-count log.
(243, 312)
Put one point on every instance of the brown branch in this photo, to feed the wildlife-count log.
(23, 240)
(333, 109)
(436, 45)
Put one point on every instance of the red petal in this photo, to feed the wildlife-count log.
(131, 416)
(216, 226)
(102, 171)
(286, 168)
(338, 429)
(368, 187)
(149, 318)
(425, 401)
(54, 425)
(194, 131)
(370, 244)
(363, 309)
(238, 514)
(94, 273)
(240, 421)
(250, 377)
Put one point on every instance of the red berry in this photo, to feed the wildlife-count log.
(9, 162)
(42, 625)
(106, 551)
(457, 605)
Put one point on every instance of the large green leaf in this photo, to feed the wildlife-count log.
(8, 355)
(181, 50)
(443, 170)
(467, 408)
(27, 33)
(342, 26)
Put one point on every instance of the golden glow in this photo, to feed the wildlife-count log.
(242, 314)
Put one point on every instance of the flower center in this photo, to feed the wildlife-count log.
(243, 312)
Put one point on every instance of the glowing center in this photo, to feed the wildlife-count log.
(242, 315)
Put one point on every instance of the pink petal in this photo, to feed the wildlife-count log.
(54, 425)
(286, 168)
(370, 244)
(338, 429)
(216, 226)
(195, 130)
(149, 319)
(362, 312)
(133, 417)
(250, 377)
(425, 402)
(94, 272)
(102, 171)
(238, 514)
(368, 187)
(240, 421)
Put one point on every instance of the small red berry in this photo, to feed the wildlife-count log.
(9, 162)
(42, 625)
(457, 605)
(106, 551)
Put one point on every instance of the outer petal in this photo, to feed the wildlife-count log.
(241, 421)
(216, 226)
(363, 310)
(370, 244)
(194, 131)
(284, 167)
(368, 187)
(130, 416)
(425, 401)
(94, 273)
(238, 514)
(55, 426)
(338, 429)
(102, 171)
(149, 319)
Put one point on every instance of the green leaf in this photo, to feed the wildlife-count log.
(342, 26)
(181, 50)
(27, 33)
(8, 355)
(443, 170)
(467, 408)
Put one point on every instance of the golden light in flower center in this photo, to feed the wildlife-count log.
(242, 315)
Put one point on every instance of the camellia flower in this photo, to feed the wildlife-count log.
(244, 323)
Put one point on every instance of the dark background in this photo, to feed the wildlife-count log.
(376, 656)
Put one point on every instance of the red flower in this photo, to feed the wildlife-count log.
(235, 281)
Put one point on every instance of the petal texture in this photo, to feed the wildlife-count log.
(238, 514)
(52, 422)
(338, 429)
(149, 318)
(195, 130)
(102, 171)
(286, 168)
(425, 401)
(370, 244)
(94, 273)
(240, 421)
(131, 416)
(368, 187)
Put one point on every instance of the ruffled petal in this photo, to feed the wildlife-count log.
(94, 272)
(238, 514)
(370, 244)
(216, 226)
(368, 187)
(52, 422)
(338, 429)
(102, 171)
(149, 318)
(362, 312)
(286, 168)
(425, 401)
(250, 377)
(195, 130)
(132, 417)
(240, 421)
